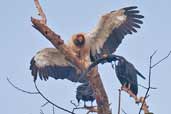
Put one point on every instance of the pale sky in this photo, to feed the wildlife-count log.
(20, 41)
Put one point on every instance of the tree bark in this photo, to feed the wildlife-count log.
(93, 76)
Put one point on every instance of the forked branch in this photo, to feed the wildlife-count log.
(40, 12)
(149, 77)
(38, 93)
(53, 104)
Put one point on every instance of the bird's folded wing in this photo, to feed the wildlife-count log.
(111, 29)
(49, 62)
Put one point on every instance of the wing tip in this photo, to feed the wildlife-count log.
(132, 12)
(33, 69)
(130, 8)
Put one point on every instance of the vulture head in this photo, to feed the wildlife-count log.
(78, 39)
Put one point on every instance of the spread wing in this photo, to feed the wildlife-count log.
(49, 62)
(111, 29)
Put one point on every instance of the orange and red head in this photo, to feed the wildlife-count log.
(79, 39)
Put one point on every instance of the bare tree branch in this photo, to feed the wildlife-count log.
(149, 84)
(146, 87)
(74, 104)
(45, 104)
(153, 53)
(41, 94)
(123, 111)
(22, 90)
(40, 12)
(119, 103)
(41, 111)
(161, 60)
(149, 77)
(53, 109)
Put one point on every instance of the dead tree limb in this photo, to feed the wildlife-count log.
(40, 12)
(149, 79)
(38, 93)
(95, 82)
(53, 104)
(22, 90)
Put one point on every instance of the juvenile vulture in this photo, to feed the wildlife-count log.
(85, 93)
(127, 75)
(101, 41)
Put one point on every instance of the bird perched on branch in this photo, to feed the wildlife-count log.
(85, 93)
(103, 40)
(127, 75)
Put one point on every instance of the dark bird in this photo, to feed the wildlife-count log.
(85, 93)
(101, 41)
(127, 75)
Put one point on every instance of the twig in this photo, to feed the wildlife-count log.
(76, 108)
(40, 12)
(149, 80)
(119, 103)
(74, 104)
(38, 92)
(41, 111)
(123, 111)
(41, 94)
(53, 109)
(22, 90)
(161, 60)
(44, 104)
(146, 87)
(154, 53)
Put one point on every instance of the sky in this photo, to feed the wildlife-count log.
(20, 41)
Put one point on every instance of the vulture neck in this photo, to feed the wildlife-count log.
(82, 53)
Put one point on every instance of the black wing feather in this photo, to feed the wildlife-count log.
(56, 72)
